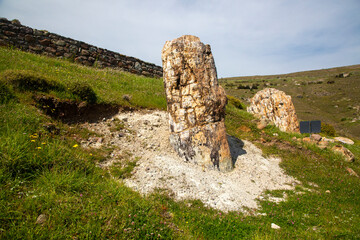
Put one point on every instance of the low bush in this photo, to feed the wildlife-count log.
(5, 93)
(236, 102)
(328, 129)
(29, 81)
(243, 87)
(84, 92)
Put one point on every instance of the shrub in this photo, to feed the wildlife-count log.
(255, 86)
(328, 129)
(84, 92)
(236, 102)
(5, 93)
(243, 87)
(30, 81)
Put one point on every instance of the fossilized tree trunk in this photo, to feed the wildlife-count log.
(275, 106)
(196, 103)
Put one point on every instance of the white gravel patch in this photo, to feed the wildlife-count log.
(160, 167)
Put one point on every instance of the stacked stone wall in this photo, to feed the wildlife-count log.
(12, 33)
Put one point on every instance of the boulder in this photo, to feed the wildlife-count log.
(196, 103)
(275, 106)
(316, 137)
(323, 144)
(344, 140)
(349, 156)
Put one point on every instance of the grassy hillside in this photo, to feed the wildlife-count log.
(317, 95)
(51, 188)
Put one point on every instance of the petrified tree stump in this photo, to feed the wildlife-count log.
(272, 105)
(196, 103)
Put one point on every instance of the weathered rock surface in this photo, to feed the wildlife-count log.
(344, 140)
(275, 106)
(349, 156)
(196, 103)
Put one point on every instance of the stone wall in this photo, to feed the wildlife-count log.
(12, 33)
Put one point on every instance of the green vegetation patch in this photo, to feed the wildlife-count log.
(84, 92)
(52, 187)
(236, 102)
(5, 93)
(328, 129)
(30, 81)
(109, 85)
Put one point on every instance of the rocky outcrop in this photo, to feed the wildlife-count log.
(349, 156)
(43, 42)
(196, 103)
(344, 140)
(275, 106)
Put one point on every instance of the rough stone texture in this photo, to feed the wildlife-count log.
(349, 156)
(316, 137)
(352, 172)
(196, 103)
(344, 140)
(53, 45)
(275, 106)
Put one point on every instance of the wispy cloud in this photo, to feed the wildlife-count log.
(247, 37)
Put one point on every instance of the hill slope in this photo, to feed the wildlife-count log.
(317, 95)
(54, 186)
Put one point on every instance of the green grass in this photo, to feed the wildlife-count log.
(48, 172)
(317, 95)
(109, 85)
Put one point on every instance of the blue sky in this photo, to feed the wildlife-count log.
(253, 37)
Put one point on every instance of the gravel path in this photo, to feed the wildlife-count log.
(146, 135)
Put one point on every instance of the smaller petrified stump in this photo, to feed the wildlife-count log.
(196, 103)
(275, 106)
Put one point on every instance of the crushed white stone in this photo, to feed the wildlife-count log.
(160, 167)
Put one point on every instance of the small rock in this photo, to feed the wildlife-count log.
(127, 97)
(352, 172)
(244, 128)
(274, 226)
(328, 140)
(349, 156)
(262, 140)
(344, 140)
(315, 137)
(323, 144)
(261, 125)
(41, 219)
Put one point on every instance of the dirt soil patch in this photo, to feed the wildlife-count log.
(71, 112)
(145, 135)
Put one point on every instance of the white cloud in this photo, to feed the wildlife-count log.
(247, 37)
